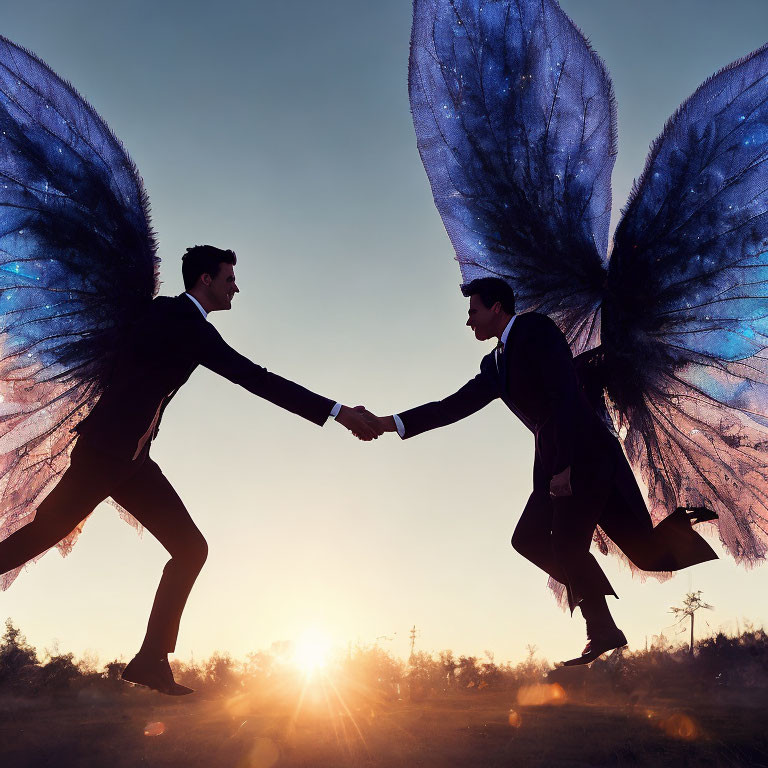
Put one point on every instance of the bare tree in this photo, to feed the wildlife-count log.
(412, 634)
(691, 603)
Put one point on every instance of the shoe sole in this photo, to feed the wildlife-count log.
(179, 690)
(589, 658)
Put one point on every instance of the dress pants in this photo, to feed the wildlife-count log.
(556, 533)
(140, 487)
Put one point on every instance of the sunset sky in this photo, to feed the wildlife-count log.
(282, 130)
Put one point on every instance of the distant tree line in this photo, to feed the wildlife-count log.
(720, 662)
(369, 674)
(22, 671)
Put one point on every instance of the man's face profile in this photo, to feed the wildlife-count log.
(221, 289)
(482, 320)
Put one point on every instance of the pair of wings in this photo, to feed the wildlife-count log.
(77, 260)
(516, 126)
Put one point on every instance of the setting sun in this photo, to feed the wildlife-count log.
(311, 650)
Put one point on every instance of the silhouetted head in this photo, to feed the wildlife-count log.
(209, 276)
(491, 305)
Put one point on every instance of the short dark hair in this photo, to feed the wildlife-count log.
(203, 260)
(490, 290)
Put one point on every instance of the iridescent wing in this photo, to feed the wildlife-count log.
(77, 259)
(685, 318)
(515, 122)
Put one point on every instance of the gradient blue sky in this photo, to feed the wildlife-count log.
(282, 130)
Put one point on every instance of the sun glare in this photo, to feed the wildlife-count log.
(311, 651)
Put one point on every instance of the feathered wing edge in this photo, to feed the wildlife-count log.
(491, 199)
(37, 427)
(143, 196)
(685, 323)
(669, 125)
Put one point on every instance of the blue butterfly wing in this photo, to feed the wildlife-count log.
(685, 318)
(515, 123)
(77, 261)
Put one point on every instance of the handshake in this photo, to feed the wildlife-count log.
(363, 424)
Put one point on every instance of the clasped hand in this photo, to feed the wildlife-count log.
(363, 424)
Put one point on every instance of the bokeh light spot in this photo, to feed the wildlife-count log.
(515, 721)
(680, 726)
(154, 729)
(540, 695)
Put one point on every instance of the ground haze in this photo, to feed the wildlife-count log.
(659, 707)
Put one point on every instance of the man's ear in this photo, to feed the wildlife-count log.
(497, 307)
(207, 279)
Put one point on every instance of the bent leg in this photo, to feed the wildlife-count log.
(151, 499)
(533, 536)
(556, 536)
(84, 484)
(669, 546)
(573, 524)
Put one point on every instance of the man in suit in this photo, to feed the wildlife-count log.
(111, 456)
(581, 477)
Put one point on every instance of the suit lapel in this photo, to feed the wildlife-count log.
(503, 365)
(509, 355)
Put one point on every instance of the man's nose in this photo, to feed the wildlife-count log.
(469, 322)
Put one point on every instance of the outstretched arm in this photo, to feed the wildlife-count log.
(219, 357)
(473, 396)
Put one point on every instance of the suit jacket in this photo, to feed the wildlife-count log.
(160, 351)
(537, 381)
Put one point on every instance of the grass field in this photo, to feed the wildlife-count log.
(324, 729)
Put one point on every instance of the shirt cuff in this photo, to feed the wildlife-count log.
(335, 411)
(399, 424)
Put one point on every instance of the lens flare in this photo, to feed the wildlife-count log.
(680, 726)
(154, 729)
(311, 651)
(539, 695)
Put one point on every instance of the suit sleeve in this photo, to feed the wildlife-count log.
(219, 357)
(473, 396)
(551, 356)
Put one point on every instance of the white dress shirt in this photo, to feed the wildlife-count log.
(503, 338)
(197, 304)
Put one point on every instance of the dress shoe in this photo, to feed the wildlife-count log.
(697, 514)
(154, 673)
(598, 645)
